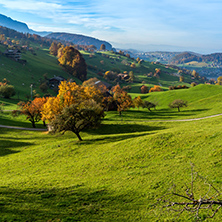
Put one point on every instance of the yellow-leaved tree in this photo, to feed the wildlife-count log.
(75, 108)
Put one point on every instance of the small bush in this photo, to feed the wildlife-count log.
(7, 91)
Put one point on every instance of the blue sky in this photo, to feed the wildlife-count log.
(194, 25)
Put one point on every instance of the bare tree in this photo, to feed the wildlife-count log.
(201, 204)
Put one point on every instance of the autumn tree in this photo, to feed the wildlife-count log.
(110, 75)
(102, 47)
(122, 99)
(193, 84)
(219, 80)
(33, 109)
(158, 71)
(131, 76)
(144, 89)
(60, 51)
(75, 108)
(156, 88)
(128, 55)
(73, 62)
(181, 78)
(178, 103)
(138, 102)
(195, 74)
(133, 65)
(77, 117)
(53, 50)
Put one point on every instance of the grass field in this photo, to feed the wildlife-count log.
(118, 171)
(197, 64)
(116, 174)
(22, 76)
(203, 100)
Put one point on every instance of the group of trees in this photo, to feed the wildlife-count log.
(79, 107)
(71, 59)
(75, 108)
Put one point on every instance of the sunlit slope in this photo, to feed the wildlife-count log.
(116, 174)
(22, 76)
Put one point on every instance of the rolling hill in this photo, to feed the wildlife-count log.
(120, 171)
(74, 38)
(187, 57)
(40, 65)
(79, 39)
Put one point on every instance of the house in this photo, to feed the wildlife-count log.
(103, 86)
(55, 81)
(13, 54)
(123, 76)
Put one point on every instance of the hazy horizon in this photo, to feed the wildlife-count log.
(168, 25)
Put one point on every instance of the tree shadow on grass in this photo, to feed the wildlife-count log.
(118, 132)
(164, 114)
(7, 146)
(107, 129)
(7, 119)
(76, 203)
(109, 139)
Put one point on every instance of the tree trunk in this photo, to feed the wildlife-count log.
(44, 124)
(33, 124)
(178, 109)
(79, 137)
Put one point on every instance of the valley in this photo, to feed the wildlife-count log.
(123, 168)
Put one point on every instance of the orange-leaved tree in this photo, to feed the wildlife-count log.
(155, 89)
(33, 109)
(75, 108)
(74, 63)
(122, 99)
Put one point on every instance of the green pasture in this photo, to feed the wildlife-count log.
(203, 100)
(116, 174)
(22, 76)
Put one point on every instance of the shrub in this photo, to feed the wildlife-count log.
(7, 91)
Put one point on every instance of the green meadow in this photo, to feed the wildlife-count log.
(120, 170)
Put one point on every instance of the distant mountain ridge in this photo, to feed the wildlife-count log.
(187, 57)
(74, 38)
(18, 26)
(13, 24)
(79, 39)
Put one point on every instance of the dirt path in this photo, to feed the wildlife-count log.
(176, 120)
(22, 128)
(184, 120)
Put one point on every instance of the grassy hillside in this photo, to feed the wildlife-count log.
(120, 170)
(22, 76)
(203, 100)
(43, 64)
(116, 174)
(105, 61)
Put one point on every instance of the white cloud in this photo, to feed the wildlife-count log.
(30, 6)
(192, 22)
